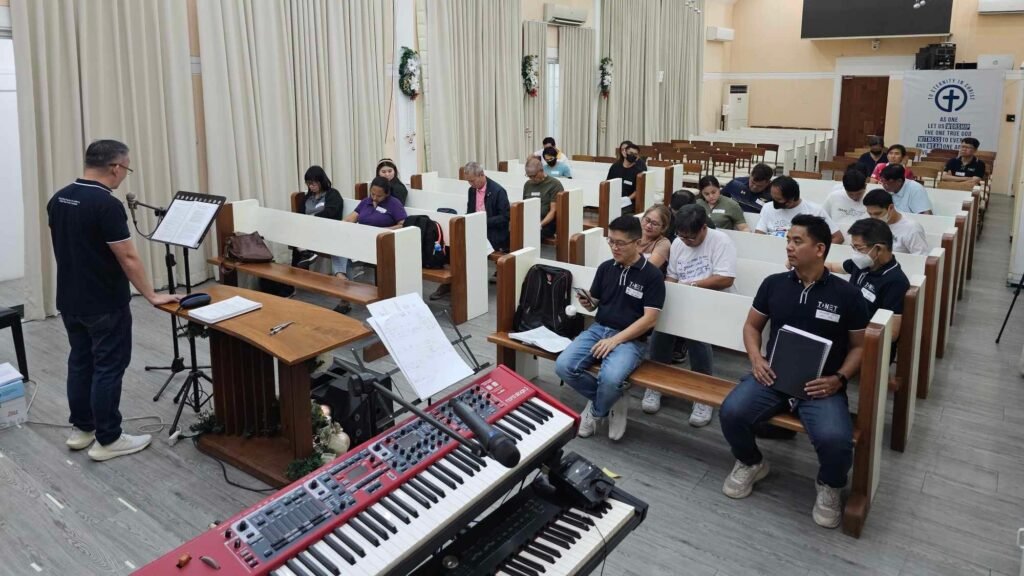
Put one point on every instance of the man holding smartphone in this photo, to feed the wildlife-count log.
(628, 293)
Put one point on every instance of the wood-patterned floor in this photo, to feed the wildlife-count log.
(950, 505)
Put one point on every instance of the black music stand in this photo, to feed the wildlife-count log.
(1009, 311)
(185, 224)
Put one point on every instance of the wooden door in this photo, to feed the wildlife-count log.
(861, 111)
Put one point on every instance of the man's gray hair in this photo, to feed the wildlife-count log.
(473, 169)
(103, 153)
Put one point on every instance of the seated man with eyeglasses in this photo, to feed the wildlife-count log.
(628, 293)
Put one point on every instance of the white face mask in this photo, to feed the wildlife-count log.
(862, 260)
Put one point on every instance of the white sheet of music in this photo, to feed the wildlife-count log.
(417, 344)
(185, 222)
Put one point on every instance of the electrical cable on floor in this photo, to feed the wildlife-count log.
(224, 471)
(145, 429)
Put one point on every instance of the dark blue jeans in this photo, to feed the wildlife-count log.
(827, 421)
(700, 354)
(101, 349)
(606, 389)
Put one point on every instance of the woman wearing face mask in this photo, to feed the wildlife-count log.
(553, 166)
(386, 169)
(623, 150)
(723, 211)
(628, 169)
(897, 155)
(653, 244)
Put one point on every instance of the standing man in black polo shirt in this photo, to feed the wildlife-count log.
(966, 167)
(628, 293)
(96, 259)
(810, 298)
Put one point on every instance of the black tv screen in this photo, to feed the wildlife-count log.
(875, 18)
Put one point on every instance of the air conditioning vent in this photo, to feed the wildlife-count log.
(561, 15)
(1000, 6)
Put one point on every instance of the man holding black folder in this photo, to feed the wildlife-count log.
(811, 300)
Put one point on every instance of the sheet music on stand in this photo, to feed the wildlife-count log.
(420, 348)
(188, 219)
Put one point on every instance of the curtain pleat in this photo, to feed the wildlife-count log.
(535, 43)
(96, 69)
(472, 83)
(682, 36)
(577, 89)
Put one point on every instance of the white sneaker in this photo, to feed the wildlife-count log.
(740, 482)
(651, 402)
(79, 439)
(701, 414)
(828, 510)
(617, 418)
(123, 446)
(588, 424)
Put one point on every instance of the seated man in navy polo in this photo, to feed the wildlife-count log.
(874, 270)
(628, 293)
(753, 192)
(810, 298)
(966, 167)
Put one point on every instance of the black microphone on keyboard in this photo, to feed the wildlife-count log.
(495, 442)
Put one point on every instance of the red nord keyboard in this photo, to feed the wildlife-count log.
(388, 504)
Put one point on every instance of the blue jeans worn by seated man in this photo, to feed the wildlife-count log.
(605, 389)
(699, 353)
(101, 349)
(827, 421)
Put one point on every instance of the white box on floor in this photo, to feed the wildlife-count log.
(13, 409)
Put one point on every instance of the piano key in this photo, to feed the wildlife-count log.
(424, 481)
(530, 563)
(554, 540)
(511, 571)
(356, 524)
(520, 422)
(394, 509)
(528, 409)
(348, 541)
(324, 561)
(466, 469)
(441, 477)
(515, 564)
(579, 516)
(297, 567)
(516, 437)
(541, 406)
(561, 535)
(545, 549)
(282, 571)
(403, 504)
(469, 454)
(330, 556)
(559, 525)
(372, 511)
(443, 467)
(339, 548)
(547, 562)
(310, 564)
(372, 561)
(592, 543)
(574, 523)
(410, 492)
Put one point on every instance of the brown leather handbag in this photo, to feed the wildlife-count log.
(247, 248)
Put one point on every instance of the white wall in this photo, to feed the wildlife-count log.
(12, 230)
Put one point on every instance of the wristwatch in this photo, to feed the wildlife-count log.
(842, 378)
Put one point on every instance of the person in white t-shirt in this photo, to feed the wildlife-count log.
(907, 234)
(703, 258)
(846, 206)
(777, 217)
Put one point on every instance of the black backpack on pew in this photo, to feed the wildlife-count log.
(545, 294)
(434, 250)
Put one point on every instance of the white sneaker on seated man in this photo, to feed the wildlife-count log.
(628, 293)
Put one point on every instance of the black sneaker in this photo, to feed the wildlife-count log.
(343, 307)
(307, 260)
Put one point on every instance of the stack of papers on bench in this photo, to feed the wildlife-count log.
(9, 374)
(216, 312)
(542, 338)
(797, 357)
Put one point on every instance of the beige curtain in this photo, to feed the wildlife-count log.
(535, 43)
(682, 59)
(100, 69)
(290, 84)
(578, 88)
(630, 35)
(473, 88)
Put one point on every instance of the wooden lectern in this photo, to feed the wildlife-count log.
(242, 354)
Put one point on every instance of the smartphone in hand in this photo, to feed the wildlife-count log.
(585, 298)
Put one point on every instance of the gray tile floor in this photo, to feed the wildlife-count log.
(950, 505)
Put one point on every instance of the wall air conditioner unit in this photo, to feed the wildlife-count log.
(1000, 6)
(719, 34)
(561, 15)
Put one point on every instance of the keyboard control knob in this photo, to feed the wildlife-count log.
(243, 525)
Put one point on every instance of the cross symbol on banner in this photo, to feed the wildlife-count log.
(951, 98)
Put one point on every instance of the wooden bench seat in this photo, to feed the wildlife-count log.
(342, 288)
(668, 380)
(438, 275)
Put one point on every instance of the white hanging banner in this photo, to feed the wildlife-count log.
(941, 107)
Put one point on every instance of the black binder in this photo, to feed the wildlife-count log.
(797, 357)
